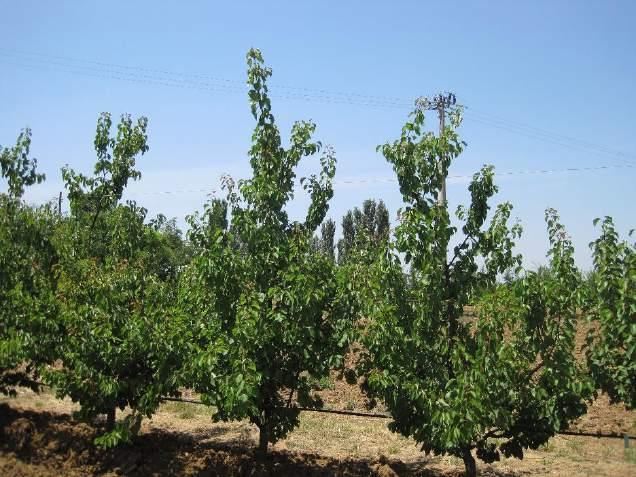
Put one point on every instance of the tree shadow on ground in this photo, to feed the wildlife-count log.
(58, 443)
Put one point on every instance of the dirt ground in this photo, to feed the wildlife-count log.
(602, 417)
(40, 438)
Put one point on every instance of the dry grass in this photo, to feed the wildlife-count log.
(358, 438)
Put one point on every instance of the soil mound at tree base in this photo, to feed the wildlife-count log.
(45, 444)
(180, 442)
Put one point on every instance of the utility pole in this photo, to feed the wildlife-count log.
(441, 198)
(439, 103)
(59, 204)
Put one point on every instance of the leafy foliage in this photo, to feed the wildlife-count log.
(253, 310)
(28, 311)
(364, 231)
(267, 307)
(611, 351)
(325, 243)
(18, 169)
(503, 382)
(113, 291)
(173, 252)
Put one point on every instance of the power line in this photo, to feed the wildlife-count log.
(392, 180)
(402, 102)
(563, 170)
(544, 132)
(195, 81)
(161, 77)
(159, 81)
(552, 138)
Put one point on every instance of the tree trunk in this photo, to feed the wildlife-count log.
(263, 421)
(110, 419)
(469, 462)
(263, 440)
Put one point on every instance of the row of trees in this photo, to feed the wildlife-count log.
(118, 311)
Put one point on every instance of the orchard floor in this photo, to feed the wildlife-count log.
(38, 437)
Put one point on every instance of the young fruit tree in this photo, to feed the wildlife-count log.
(267, 307)
(113, 291)
(28, 312)
(611, 346)
(499, 383)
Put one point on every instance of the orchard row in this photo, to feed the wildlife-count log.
(117, 310)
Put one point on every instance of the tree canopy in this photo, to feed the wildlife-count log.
(115, 309)
(113, 290)
(28, 309)
(503, 382)
(266, 306)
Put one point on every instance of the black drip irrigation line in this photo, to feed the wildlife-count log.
(376, 415)
(345, 413)
(309, 409)
(598, 435)
(189, 401)
(595, 434)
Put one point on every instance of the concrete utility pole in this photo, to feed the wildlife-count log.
(439, 103)
(441, 198)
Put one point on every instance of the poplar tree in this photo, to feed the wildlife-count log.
(363, 230)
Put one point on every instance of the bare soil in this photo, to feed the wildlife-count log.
(602, 417)
(38, 437)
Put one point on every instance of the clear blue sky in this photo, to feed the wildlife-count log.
(566, 67)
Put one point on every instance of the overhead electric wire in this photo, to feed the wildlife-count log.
(160, 77)
(545, 133)
(392, 180)
(154, 80)
(547, 139)
(386, 100)
(546, 136)
(112, 71)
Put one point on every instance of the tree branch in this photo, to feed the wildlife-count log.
(536, 369)
(495, 434)
(459, 248)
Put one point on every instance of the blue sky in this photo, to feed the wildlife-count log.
(565, 68)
